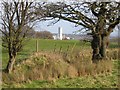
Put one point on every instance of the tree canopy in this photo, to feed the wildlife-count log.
(87, 14)
(15, 17)
(98, 17)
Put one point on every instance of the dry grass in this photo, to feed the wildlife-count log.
(112, 53)
(51, 66)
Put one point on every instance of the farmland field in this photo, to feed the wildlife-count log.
(109, 80)
(45, 45)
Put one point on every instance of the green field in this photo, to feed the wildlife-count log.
(95, 81)
(45, 45)
(49, 45)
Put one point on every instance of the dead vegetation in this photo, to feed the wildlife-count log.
(51, 66)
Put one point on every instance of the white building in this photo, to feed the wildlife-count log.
(60, 33)
(54, 37)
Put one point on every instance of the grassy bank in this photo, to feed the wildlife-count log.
(64, 58)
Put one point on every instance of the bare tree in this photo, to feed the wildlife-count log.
(98, 17)
(15, 17)
(30, 32)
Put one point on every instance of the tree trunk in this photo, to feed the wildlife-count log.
(102, 48)
(11, 63)
(95, 46)
(99, 44)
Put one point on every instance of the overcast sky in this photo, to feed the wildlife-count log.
(68, 28)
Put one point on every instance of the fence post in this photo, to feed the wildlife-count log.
(37, 45)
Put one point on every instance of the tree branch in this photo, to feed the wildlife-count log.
(112, 26)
